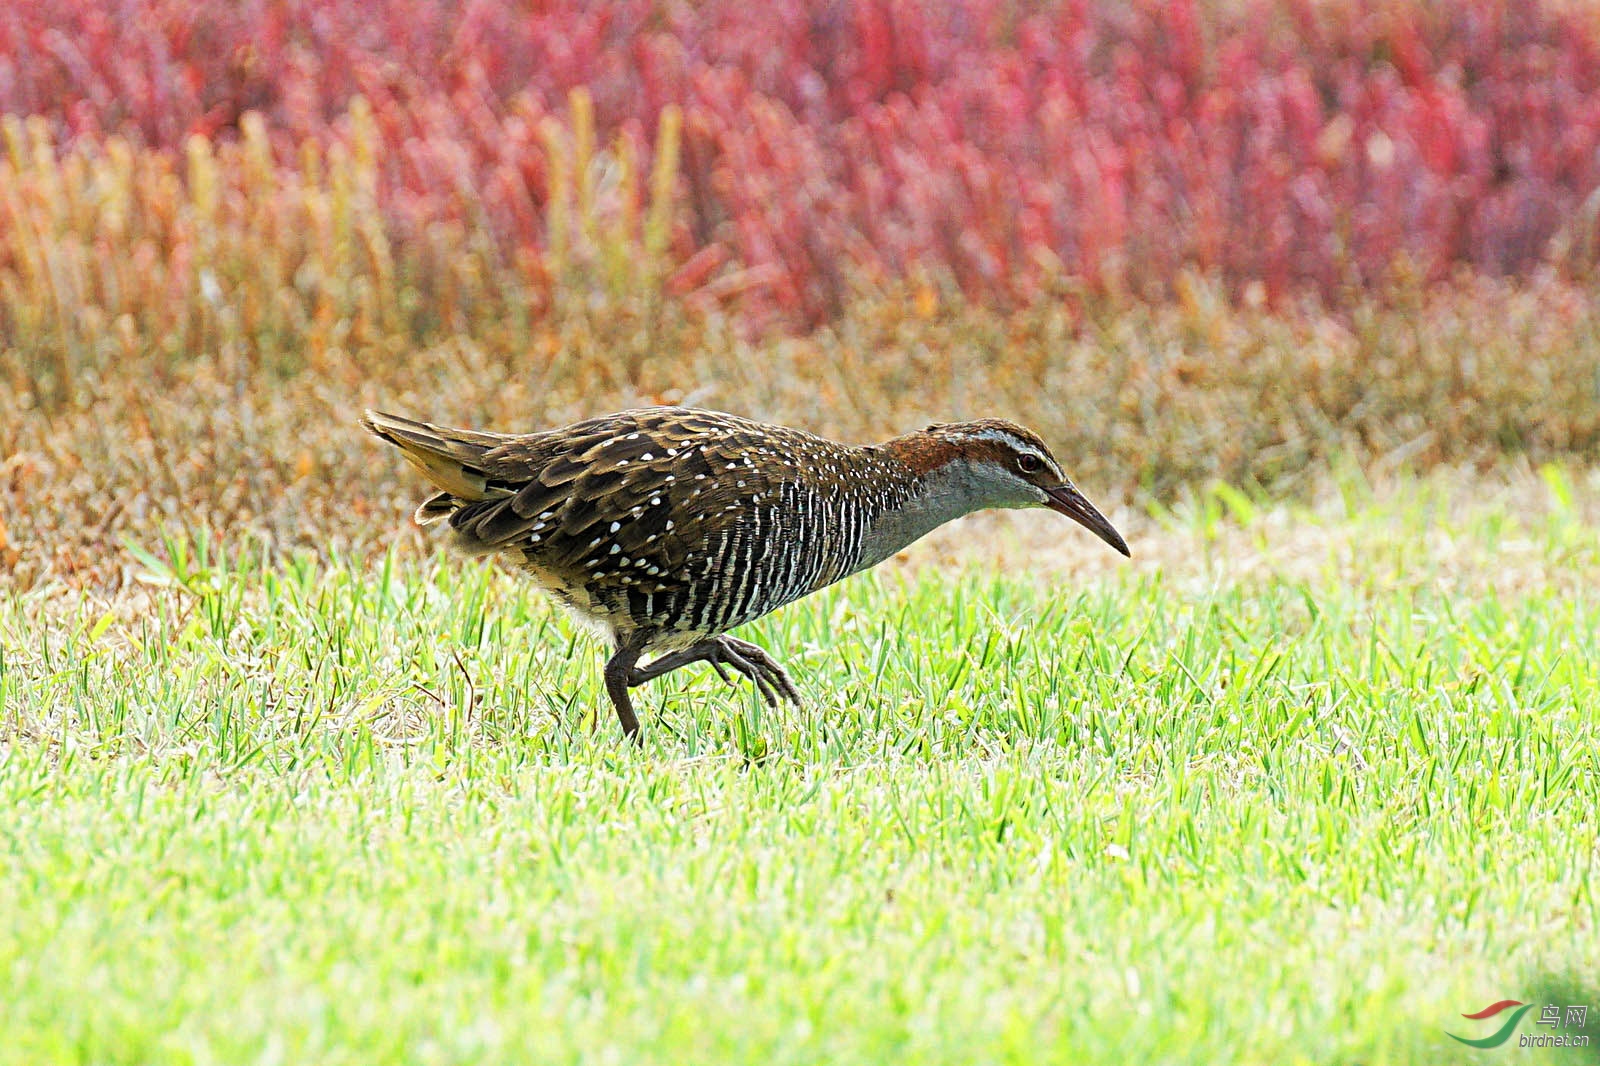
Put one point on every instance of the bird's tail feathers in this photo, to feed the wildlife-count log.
(450, 458)
(436, 508)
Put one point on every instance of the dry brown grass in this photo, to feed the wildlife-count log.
(1142, 403)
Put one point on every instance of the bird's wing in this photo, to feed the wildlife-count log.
(659, 485)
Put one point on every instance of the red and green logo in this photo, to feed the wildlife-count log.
(1570, 1022)
(1501, 1035)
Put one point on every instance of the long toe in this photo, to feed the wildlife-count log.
(769, 677)
(734, 657)
(769, 692)
(788, 686)
(780, 680)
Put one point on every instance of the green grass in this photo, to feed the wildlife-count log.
(329, 811)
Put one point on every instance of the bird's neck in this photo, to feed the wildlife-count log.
(935, 492)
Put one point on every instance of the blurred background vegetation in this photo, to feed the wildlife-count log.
(1219, 240)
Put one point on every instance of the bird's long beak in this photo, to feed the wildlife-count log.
(1070, 502)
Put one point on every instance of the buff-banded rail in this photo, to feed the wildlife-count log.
(666, 527)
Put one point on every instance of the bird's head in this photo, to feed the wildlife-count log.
(995, 463)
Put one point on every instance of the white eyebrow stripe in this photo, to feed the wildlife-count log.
(1011, 440)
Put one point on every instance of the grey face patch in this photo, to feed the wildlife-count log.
(985, 484)
(956, 489)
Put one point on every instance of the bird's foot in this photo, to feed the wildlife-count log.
(749, 659)
(752, 660)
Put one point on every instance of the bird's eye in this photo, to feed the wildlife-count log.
(1028, 464)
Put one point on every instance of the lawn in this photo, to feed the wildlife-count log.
(1297, 784)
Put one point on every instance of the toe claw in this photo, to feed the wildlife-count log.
(769, 695)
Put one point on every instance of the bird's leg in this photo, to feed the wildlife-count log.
(751, 660)
(618, 673)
